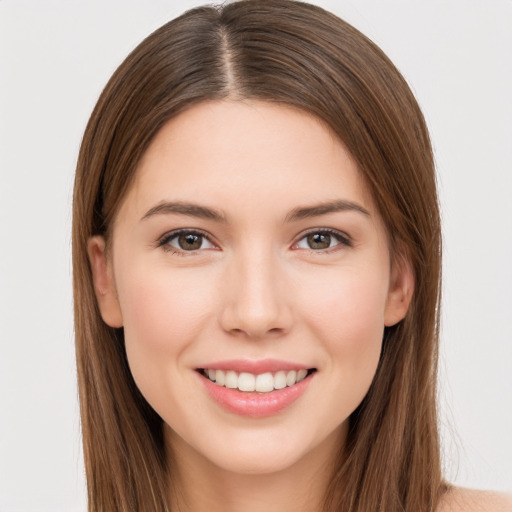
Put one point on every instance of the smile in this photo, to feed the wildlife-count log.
(261, 383)
(255, 389)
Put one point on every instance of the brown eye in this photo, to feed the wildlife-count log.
(319, 240)
(190, 241)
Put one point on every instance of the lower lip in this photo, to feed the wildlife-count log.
(252, 404)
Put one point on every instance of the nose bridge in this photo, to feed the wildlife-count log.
(255, 303)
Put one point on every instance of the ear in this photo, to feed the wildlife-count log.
(104, 285)
(401, 289)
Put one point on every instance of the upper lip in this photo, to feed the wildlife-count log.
(254, 366)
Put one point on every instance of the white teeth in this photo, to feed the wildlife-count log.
(301, 375)
(262, 383)
(246, 382)
(291, 378)
(265, 383)
(280, 380)
(231, 380)
(220, 378)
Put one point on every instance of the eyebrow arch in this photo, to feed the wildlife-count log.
(324, 208)
(183, 208)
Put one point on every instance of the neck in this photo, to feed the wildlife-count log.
(199, 485)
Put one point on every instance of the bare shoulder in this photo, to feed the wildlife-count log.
(458, 499)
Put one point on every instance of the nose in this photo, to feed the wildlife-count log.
(256, 303)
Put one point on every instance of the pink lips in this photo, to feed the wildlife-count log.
(256, 367)
(254, 404)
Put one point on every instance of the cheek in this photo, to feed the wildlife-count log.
(162, 308)
(163, 312)
(346, 315)
(343, 305)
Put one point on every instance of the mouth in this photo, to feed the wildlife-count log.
(255, 389)
(260, 383)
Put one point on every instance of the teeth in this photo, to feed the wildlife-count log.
(265, 383)
(280, 380)
(231, 380)
(246, 382)
(262, 383)
(301, 375)
(219, 377)
(291, 378)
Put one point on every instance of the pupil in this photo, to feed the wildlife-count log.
(319, 240)
(190, 241)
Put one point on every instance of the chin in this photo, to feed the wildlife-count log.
(254, 461)
(261, 451)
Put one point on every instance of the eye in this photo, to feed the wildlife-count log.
(185, 241)
(322, 240)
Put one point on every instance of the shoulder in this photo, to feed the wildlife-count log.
(458, 499)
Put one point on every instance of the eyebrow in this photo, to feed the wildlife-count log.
(339, 205)
(181, 208)
(299, 213)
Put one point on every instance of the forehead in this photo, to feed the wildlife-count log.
(223, 151)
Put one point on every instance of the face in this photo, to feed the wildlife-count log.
(249, 252)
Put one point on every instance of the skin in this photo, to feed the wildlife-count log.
(253, 290)
(459, 499)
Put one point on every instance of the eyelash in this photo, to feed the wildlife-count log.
(163, 242)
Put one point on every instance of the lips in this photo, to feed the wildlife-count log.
(255, 367)
(255, 388)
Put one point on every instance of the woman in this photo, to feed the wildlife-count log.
(257, 273)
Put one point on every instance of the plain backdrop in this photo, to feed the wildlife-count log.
(55, 57)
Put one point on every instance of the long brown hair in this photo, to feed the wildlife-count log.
(295, 54)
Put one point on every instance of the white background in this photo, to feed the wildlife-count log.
(55, 57)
